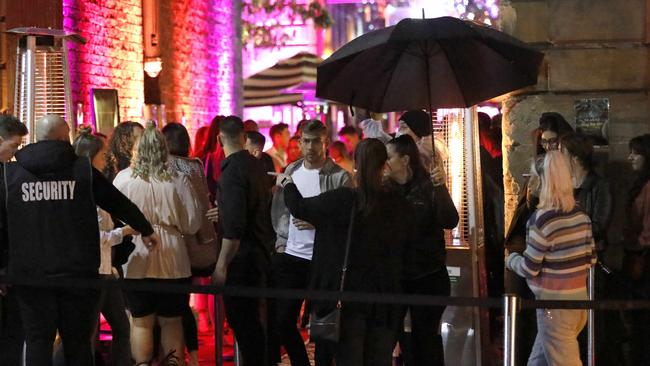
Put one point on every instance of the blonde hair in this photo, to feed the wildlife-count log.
(556, 191)
(150, 161)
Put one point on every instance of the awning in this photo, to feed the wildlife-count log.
(282, 83)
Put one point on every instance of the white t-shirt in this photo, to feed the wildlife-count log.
(301, 242)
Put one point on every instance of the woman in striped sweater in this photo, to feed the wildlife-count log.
(559, 252)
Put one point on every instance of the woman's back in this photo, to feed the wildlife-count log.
(559, 252)
(172, 209)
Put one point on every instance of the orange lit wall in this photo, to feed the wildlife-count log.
(113, 56)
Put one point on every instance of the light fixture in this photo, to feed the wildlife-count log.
(153, 66)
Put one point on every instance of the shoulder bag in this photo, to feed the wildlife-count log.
(328, 326)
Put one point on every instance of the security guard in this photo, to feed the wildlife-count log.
(50, 197)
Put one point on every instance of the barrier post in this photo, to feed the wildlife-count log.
(218, 329)
(591, 344)
(510, 307)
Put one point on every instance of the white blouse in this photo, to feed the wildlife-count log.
(173, 210)
(108, 237)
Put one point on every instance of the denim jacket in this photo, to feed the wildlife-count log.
(331, 177)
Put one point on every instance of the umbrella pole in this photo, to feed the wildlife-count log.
(433, 140)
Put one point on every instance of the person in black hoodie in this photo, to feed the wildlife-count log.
(12, 336)
(381, 229)
(424, 255)
(49, 211)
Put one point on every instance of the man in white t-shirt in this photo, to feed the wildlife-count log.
(314, 174)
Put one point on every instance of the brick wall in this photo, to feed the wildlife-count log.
(594, 49)
(113, 56)
(201, 59)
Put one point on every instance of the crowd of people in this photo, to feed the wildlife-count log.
(367, 213)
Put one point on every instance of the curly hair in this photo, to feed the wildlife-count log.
(120, 148)
(150, 160)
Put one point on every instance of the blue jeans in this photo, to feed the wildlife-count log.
(556, 343)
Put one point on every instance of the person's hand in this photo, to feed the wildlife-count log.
(281, 178)
(213, 214)
(128, 230)
(302, 225)
(4, 289)
(219, 276)
(151, 242)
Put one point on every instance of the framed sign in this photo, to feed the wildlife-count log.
(106, 110)
(592, 119)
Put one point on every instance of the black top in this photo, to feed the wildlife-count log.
(267, 163)
(60, 234)
(433, 211)
(378, 239)
(245, 204)
(595, 199)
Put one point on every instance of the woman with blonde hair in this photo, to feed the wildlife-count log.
(559, 252)
(170, 204)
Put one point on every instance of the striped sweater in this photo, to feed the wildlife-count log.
(559, 252)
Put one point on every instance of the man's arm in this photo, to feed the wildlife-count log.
(229, 248)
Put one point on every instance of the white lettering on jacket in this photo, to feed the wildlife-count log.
(48, 191)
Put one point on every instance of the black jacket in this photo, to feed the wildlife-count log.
(595, 198)
(433, 212)
(378, 239)
(48, 212)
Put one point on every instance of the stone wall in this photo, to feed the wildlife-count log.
(112, 57)
(201, 53)
(594, 49)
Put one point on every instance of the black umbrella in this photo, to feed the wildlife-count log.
(427, 63)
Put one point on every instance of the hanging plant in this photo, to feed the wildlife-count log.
(264, 21)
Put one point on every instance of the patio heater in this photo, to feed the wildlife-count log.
(463, 328)
(42, 84)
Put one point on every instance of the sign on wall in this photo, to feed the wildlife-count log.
(592, 119)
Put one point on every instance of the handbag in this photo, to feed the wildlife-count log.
(328, 327)
(202, 247)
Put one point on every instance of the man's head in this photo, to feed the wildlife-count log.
(52, 127)
(416, 124)
(231, 133)
(255, 143)
(250, 125)
(280, 136)
(313, 143)
(11, 136)
(350, 137)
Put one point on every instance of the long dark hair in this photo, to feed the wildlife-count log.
(120, 148)
(178, 140)
(641, 145)
(213, 133)
(370, 157)
(405, 146)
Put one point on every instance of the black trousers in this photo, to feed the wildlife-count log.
(72, 311)
(368, 334)
(12, 336)
(247, 315)
(291, 272)
(424, 342)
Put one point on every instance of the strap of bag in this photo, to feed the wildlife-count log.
(344, 270)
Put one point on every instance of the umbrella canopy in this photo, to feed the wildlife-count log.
(427, 63)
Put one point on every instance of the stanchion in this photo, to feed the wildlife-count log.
(510, 308)
(218, 330)
(591, 345)
(237, 353)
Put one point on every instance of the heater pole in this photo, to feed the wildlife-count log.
(510, 305)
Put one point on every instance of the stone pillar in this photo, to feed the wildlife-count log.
(594, 49)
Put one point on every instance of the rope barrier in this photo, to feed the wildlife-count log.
(347, 296)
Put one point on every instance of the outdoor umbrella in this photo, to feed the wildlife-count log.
(427, 63)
